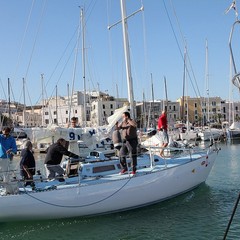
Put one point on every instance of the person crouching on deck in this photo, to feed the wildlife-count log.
(54, 157)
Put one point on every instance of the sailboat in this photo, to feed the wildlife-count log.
(185, 132)
(94, 186)
(208, 133)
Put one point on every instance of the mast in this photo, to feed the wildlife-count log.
(184, 79)
(42, 79)
(185, 87)
(24, 102)
(74, 68)
(144, 112)
(166, 96)
(9, 102)
(127, 53)
(207, 82)
(83, 69)
(127, 58)
(69, 108)
(153, 122)
(56, 107)
(117, 95)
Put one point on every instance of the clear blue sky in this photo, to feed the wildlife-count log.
(38, 37)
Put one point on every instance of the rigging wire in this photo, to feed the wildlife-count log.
(146, 64)
(34, 45)
(114, 78)
(64, 67)
(60, 59)
(21, 46)
(75, 62)
(92, 4)
(179, 48)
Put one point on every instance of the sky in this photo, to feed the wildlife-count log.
(40, 42)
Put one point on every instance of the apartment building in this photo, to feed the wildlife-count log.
(200, 110)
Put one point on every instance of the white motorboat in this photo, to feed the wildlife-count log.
(96, 187)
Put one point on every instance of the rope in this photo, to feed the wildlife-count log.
(233, 213)
(80, 206)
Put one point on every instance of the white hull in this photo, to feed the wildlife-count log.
(111, 193)
(189, 135)
(233, 132)
(208, 135)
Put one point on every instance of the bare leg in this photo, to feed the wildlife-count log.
(162, 149)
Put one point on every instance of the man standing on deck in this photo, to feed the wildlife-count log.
(162, 126)
(8, 148)
(130, 142)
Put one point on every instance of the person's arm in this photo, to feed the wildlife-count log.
(26, 169)
(64, 151)
(131, 122)
(118, 126)
(13, 147)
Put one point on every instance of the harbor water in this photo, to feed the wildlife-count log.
(201, 214)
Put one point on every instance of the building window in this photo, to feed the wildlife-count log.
(75, 111)
(111, 106)
(195, 105)
(103, 106)
(55, 113)
(46, 121)
(195, 112)
(67, 112)
(46, 113)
